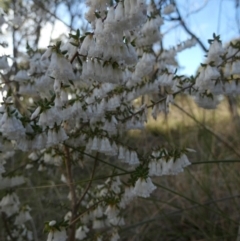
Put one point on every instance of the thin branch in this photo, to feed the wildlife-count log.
(157, 102)
(90, 182)
(74, 56)
(71, 186)
(41, 5)
(189, 31)
(215, 162)
(180, 211)
(237, 17)
(34, 230)
(69, 175)
(198, 9)
(75, 183)
(225, 142)
(73, 222)
(5, 223)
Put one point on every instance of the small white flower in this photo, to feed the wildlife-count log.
(52, 223)
(4, 63)
(98, 223)
(68, 216)
(119, 12)
(133, 158)
(23, 217)
(111, 211)
(21, 76)
(81, 232)
(121, 153)
(95, 144)
(85, 45)
(215, 51)
(236, 67)
(57, 235)
(115, 236)
(169, 9)
(143, 188)
(36, 113)
(98, 212)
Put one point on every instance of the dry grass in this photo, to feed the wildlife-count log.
(203, 202)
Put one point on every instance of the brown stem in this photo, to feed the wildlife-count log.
(74, 57)
(189, 31)
(90, 182)
(5, 223)
(71, 185)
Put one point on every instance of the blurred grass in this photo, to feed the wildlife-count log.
(203, 202)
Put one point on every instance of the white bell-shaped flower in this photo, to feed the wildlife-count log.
(115, 236)
(23, 216)
(143, 188)
(98, 223)
(215, 51)
(85, 45)
(119, 12)
(169, 9)
(81, 232)
(236, 67)
(21, 76)
(4, 63)
(57, 235)
(111, 211)
(36, 113)
(98, 212)
(95, 144)
(133, 158)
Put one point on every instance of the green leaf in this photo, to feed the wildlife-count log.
(74, 44)
(71, 82)
(64, 52)
(79, 60)
(78, 33)
(97, 15)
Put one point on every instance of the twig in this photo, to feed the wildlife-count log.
(225, 142)
(180, 211)
(41, 5)
(90, 182)
(157, 102)
(80, 215)
(34, 230)
(5, 223)
(214, 162)
(74, 56)
(72, 191)
(189, 31)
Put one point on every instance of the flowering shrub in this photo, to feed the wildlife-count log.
(82, 104)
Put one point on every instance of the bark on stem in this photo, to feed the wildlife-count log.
(72, 227)
(90, 182)
(5, 223)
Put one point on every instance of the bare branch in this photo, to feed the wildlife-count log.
(89, 184)
(189, 31)
(71, 186)
(41, 5)
(5, 223)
